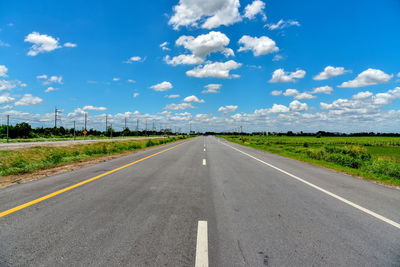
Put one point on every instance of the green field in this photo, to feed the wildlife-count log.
(374, 158)
(42, 157)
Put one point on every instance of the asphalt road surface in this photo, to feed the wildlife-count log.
(203, 202)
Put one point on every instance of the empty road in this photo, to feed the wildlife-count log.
(200, 202)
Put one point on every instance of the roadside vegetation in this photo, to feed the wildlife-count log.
(374, 158)
(23, 132)
(42, 157)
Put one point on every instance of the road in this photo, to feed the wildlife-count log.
(21, 145)
(201, 202)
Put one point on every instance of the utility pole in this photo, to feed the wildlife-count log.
(106, 122)
(8, 124)
(190, 128)
(153, 128)
(241, 129)
(56, 111)
(85, 120)
(137, 125)
(146, 125)
(111, 130)
(74, 130)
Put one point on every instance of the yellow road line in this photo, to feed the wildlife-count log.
(30, 203)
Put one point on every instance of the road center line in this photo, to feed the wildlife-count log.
(204, 149)
(20, 207)
(348, 202)
(202, 245)
(204, 162)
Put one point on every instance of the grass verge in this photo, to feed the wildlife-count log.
(369, 160)
(15, 162)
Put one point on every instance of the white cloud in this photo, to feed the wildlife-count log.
(6, 99)
(164, 46)
(283, 24)
(6, 85)
(7, 107)
(28, 100)
(216, 69)
(94, 108)
(278, 58)
(362, 95)
(200, 47)
(212, 88)
(330, 72)
(68, 44)
(398, 74)
(368, 77)
(210, 13)
(388, 97)
(362, 103)
(44, 76)
(193, 99)
(52, 79)
(257, 7)
(42, 43)
(180, 106)
(276, 108)
(4, 44)
(183, 60)
(259, 45)
(172, 96)
(135, 95)
(165, 112)
(297, 95)
(298, 106)
(3, 71)
(50, 89)
(134, 59)
(116, 79)
(280, 76)
(303, 96)
(228, 52)
(276, 92)
(230, 108)
(322, 90)
(291, 92)
(131, 81)
(183, 114)
(161, 87)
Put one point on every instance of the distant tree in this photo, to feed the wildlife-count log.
(23, 130)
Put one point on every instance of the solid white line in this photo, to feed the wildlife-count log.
(202, 245)
(204, 162)
(204, 149)
(348, 202)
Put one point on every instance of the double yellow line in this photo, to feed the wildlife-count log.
(30, 203)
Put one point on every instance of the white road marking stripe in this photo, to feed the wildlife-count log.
(202, 245)
(348, 202)
(204, 162)
(204, 149)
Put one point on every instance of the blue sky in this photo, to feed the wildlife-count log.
(104, 57)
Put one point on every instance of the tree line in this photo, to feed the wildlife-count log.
(25, 130)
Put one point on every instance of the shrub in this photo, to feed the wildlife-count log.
(150, 143)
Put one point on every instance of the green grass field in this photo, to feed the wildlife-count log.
(42, 157)
(374, 158)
